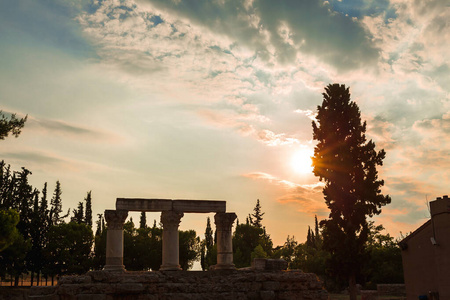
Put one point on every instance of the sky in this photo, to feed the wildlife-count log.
(190, 99)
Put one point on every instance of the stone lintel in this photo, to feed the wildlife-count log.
(185, 206)
(138, 204)
(199, 206)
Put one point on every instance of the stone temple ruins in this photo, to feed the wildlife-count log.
(267, 279)
(171, 213)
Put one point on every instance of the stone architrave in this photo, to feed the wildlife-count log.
(224, 223)
(170, 242)
(114, 239)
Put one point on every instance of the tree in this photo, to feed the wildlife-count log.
(245, 239)
(189, 248)
(287, 251)
(88, 210)
(385, 258)
(78, 214)
(99, 258)
(347, 162)
(257, 215)
(8, 231)
(143, 220)
(69, 248)
(12, 125)
(56, 205)
(210, 255)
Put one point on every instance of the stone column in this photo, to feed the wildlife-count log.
(114, 239)
(170, 242)
(224, 223)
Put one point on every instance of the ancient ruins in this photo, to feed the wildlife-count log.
(171, 213)
(266, 279)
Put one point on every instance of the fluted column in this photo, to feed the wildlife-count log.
(114, 239)
(170, 242)
(224, 223)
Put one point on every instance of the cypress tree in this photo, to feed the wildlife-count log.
(143, 220)
(88, 210)
(56, 205)
(347, 162)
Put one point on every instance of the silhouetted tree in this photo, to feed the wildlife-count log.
(78, 214)
(69, 248)
(316, 227)
(56, 205)
(245, 239)
(12, 125)
(8, 231)
(347, 162)
(385, 259)
(88, 210)
(189, 248)
(99, 258)
(210, 252)
(143, 220)
(257, 215)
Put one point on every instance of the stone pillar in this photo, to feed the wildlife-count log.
(170, 242)
(224, 223)
(114, 239)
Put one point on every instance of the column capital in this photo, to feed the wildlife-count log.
(171, 219)
(115, 218)
(224, 221)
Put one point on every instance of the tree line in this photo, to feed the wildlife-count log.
(35, 237)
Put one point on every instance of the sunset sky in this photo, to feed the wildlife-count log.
(214, 100)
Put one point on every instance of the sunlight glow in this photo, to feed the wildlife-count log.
(301, 160)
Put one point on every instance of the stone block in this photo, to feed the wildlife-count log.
(271, 285)
(42, 290)
(138, 204)
(43, 297)
(75, 279)
(267, 295)
(259, 264)
(199, 206)
(91, 297)
(276, 265)
(129, 288)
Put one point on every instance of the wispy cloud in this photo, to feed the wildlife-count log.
(307, 198)
(72, 131)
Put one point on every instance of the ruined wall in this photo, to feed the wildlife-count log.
(217, 285)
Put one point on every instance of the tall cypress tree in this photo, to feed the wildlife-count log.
(56, 205)
(88, 210)
(347, 162)
(210, 253)
(143, 220)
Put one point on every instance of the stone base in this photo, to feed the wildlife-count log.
(114, 268)
(217, 285)
(170, 268)
(223, 267)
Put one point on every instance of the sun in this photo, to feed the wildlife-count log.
(301, 161)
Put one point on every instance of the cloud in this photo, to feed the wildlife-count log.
(272, 139)
(307, 198)
(55, 127)
(282, 30)
(307, 112)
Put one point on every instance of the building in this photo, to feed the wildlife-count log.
(426, 255)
